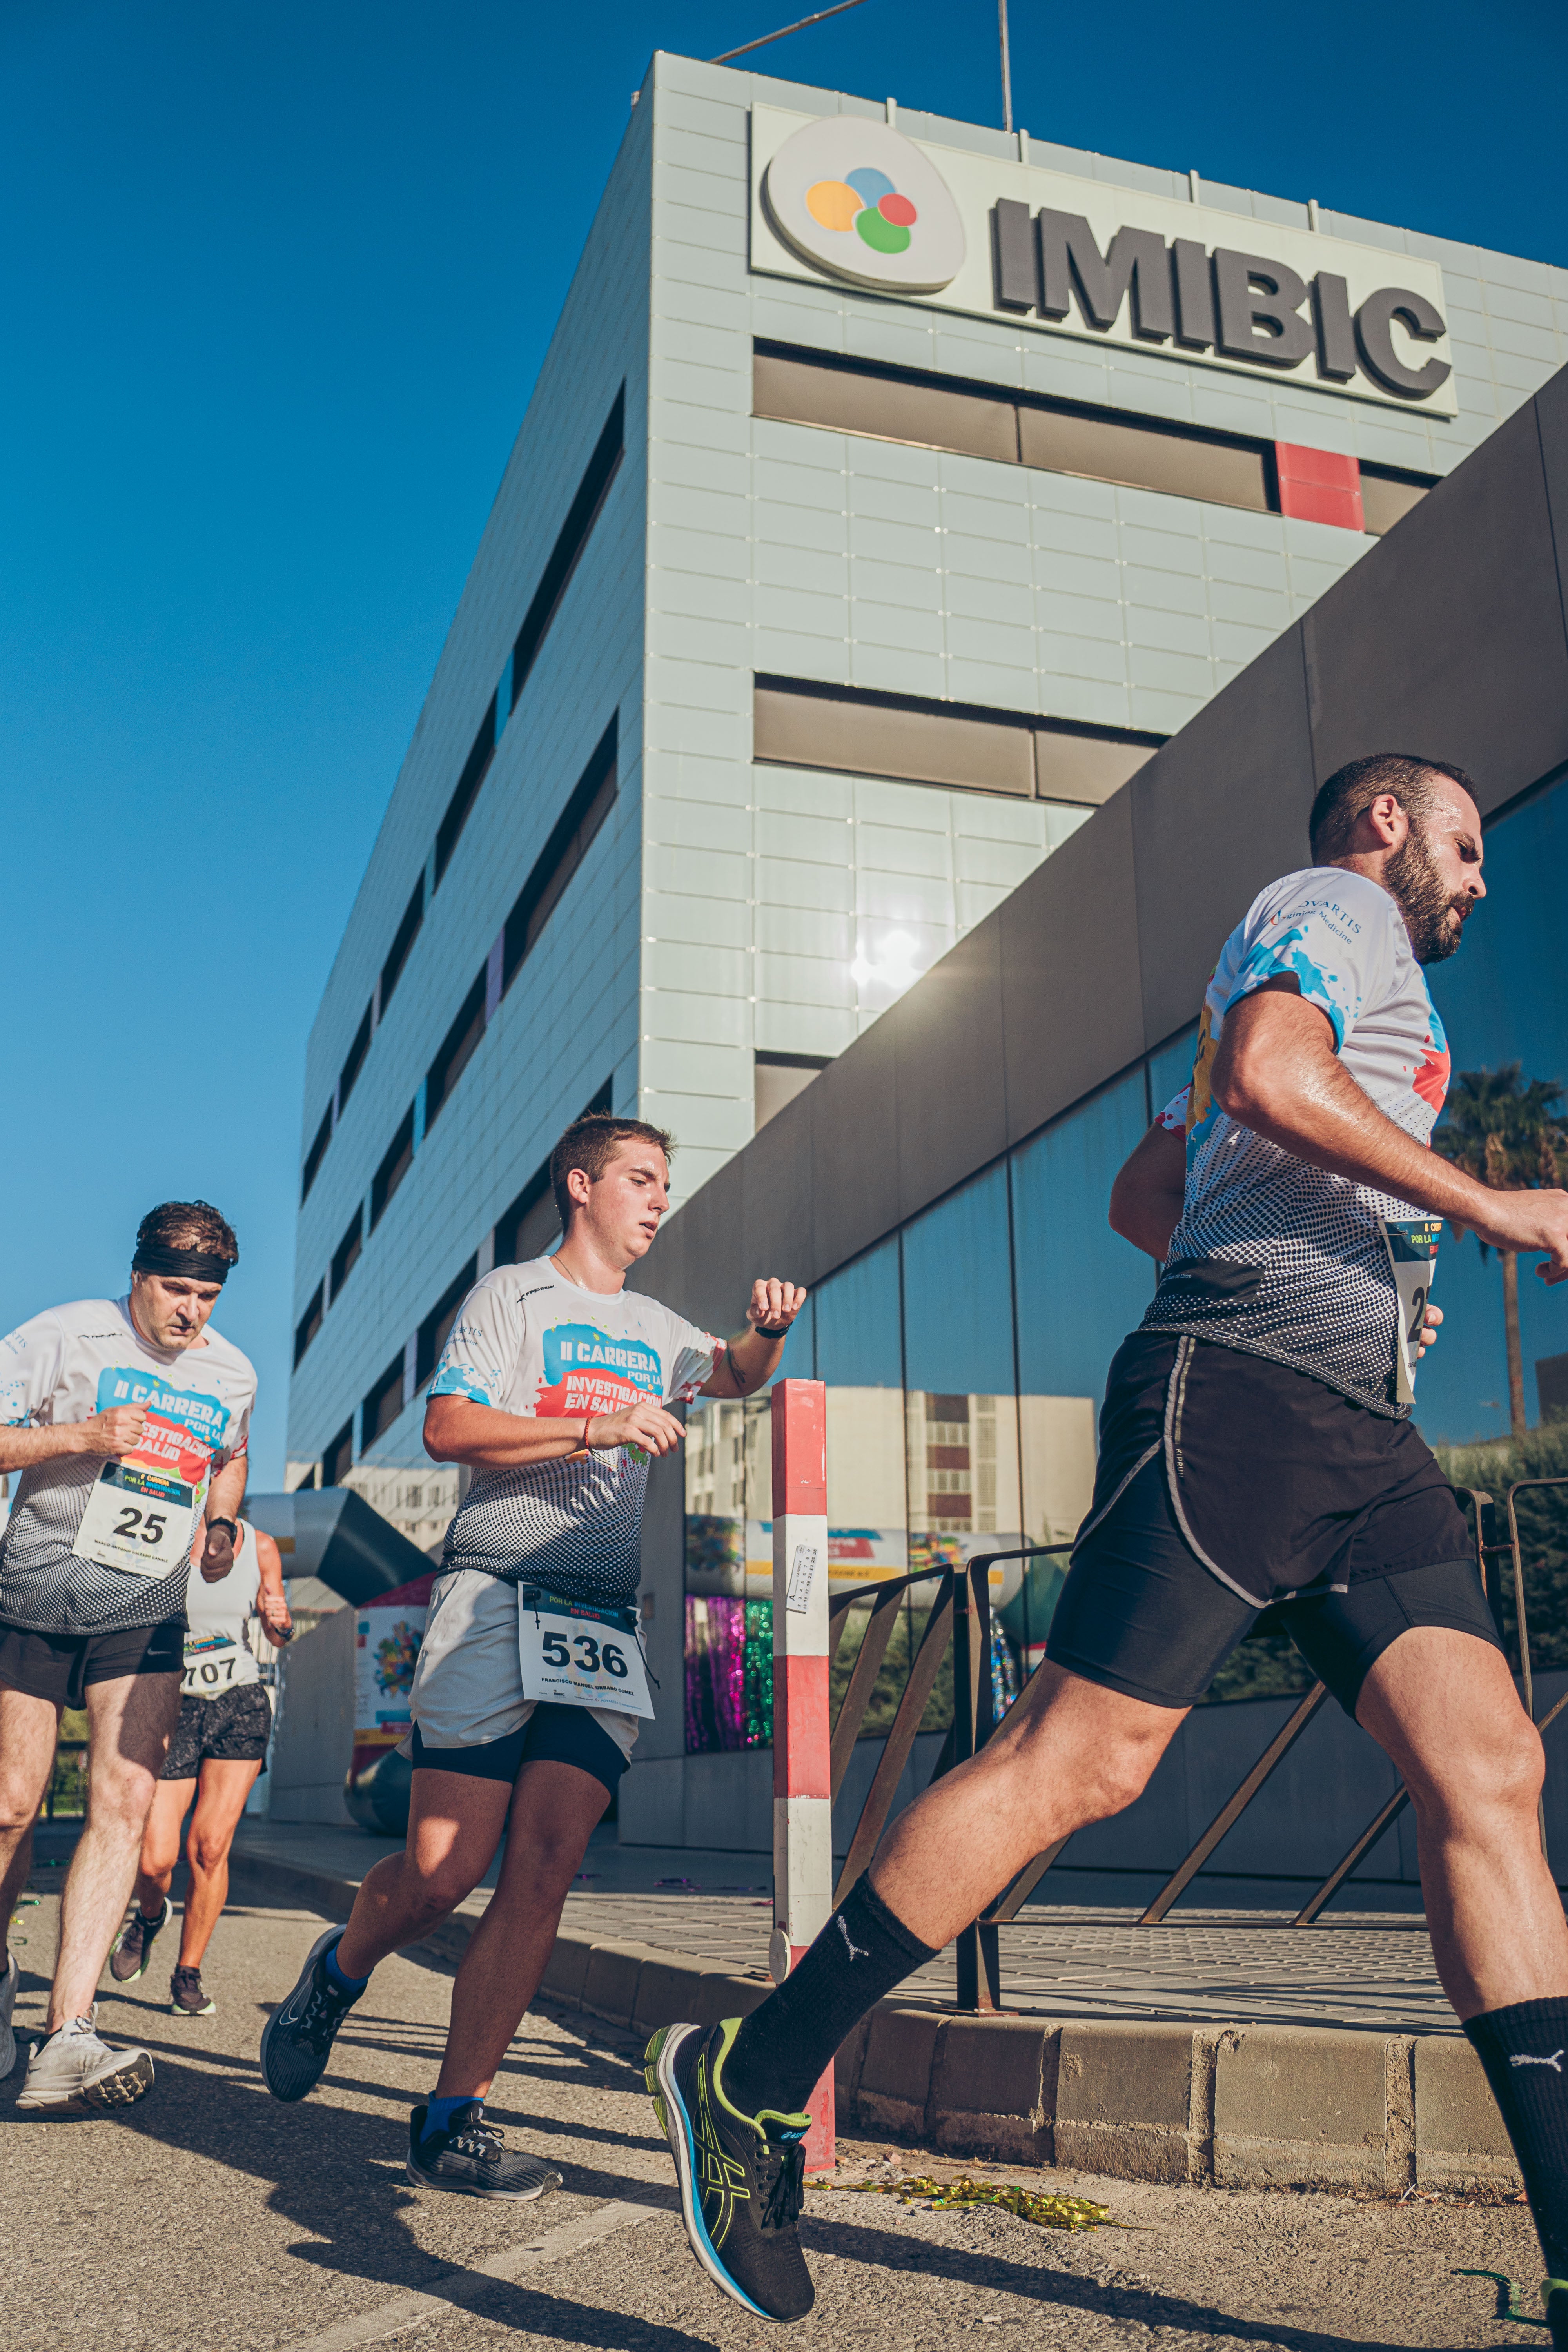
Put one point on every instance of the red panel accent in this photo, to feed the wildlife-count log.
(1319, 486)
(802, 1756)
(800, 1447)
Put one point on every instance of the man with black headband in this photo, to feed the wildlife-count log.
(128, 1420)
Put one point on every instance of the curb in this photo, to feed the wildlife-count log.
(1235, 2107)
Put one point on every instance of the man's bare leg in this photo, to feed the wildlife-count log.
(129, 1721)
(1443, 1707)
(29, 1728)
(1068, 1754)
(454, 1824)
(553, 1813)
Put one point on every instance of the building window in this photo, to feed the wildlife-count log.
(1387, 495)
(316, 1154)
(467, 790)
(437, 1324)
(345, 1257)
(567, 552)
(308, 1326)
(1057, 437)
(383, 1405)
(456, 1051)
(399, 1160)
(355, 1063)
(339, 1458)
(592, 799)
(397, 955)
(797, 724)
(779, 1077)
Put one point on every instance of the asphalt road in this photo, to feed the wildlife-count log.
(209, 2215)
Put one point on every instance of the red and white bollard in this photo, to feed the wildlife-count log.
(802, 1783)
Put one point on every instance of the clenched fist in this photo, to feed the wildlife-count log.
(645, 1424)
(774, 1304)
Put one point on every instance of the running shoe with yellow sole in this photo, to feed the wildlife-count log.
(742, 2177)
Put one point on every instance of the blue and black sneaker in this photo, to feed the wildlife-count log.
(297, 2039)
(742, 2177)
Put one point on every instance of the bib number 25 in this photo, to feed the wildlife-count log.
(594, 1657)
(140, 1526)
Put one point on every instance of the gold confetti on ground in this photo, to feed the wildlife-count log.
(1046, 2212)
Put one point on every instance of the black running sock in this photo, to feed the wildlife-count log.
(783, 2048)
(1524, 2049)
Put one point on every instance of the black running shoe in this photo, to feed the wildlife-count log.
(471, 2159)
(297, 2039)
(187, 1997)
(133, 1944)
(742, 2177)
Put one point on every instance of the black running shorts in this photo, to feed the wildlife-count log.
(232, 1728)
(60, 1667)
(1227, 1482)
(555, 1734)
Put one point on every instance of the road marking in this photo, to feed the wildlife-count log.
(468, 2285)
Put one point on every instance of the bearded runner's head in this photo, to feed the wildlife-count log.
(1412, 826)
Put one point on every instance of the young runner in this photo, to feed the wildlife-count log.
(128, 1419)
(1256, 1447)
(554, 1388)
(217, 1754)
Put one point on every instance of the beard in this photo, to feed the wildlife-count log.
(1434, 915)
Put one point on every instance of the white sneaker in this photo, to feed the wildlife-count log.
(8, 1984)
(73, 2074)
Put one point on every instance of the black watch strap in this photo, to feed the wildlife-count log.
(232, 1524)
(771, 1331)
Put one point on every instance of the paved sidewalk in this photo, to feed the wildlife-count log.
(1367, 1969)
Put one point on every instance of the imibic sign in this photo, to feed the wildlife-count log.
(848, 198)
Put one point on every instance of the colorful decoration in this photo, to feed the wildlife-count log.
(866, 201)
(729, 1674)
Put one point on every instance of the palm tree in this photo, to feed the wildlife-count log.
(1501, 1128)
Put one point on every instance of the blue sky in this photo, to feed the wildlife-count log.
(276, 283)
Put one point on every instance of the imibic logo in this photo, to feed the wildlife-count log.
(859, 201)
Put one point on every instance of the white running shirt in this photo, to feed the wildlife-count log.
(218, 1655)
(64, 1366)
(1272, 1255)
(528, 1341)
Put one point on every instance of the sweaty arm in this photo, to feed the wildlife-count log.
(108, 1435)
(1146, 1198)
(1277, 1072)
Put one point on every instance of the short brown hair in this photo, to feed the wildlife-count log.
(1352, 790)
(589, 1143)
(188, 1225)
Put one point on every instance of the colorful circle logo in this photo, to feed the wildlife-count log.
(866, 201)
(856, 199)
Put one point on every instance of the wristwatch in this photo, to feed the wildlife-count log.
(771, 1331)
(230, 1524)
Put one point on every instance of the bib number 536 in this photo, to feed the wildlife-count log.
(592, 1657)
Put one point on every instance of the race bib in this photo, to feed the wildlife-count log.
(1412, 1245)
(214, 1663)
(574, 1655)
(138, 1519)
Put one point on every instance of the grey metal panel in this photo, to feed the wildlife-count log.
(952, 1107)
(854, 1159)
(776, 1200)
(1071, 1006)
(1218, 813)
(1446, 638)
(1551, 416)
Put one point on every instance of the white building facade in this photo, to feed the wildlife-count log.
(890, 489)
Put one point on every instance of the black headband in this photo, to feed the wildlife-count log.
(181, 1265)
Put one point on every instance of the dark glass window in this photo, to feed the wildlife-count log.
(397, 955)
(399, 1160)
(437, 1324)
(592, 798)
(309, 1323)
(466, 791)
(339, 1458)
(1387, 495)
(345, 1257)
(316, 1154)
(570, 540)
(355, 1063)
(383, 1405)
(456, 1051)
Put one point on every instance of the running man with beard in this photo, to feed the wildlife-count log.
(1255, 1448)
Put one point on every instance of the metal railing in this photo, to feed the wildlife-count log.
(960, 1614)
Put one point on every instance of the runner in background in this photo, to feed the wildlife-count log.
(554, 1388)
(217, 1754)
(128, 1419)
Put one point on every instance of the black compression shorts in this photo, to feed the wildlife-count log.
(1227, 1481)
(232, 1728)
